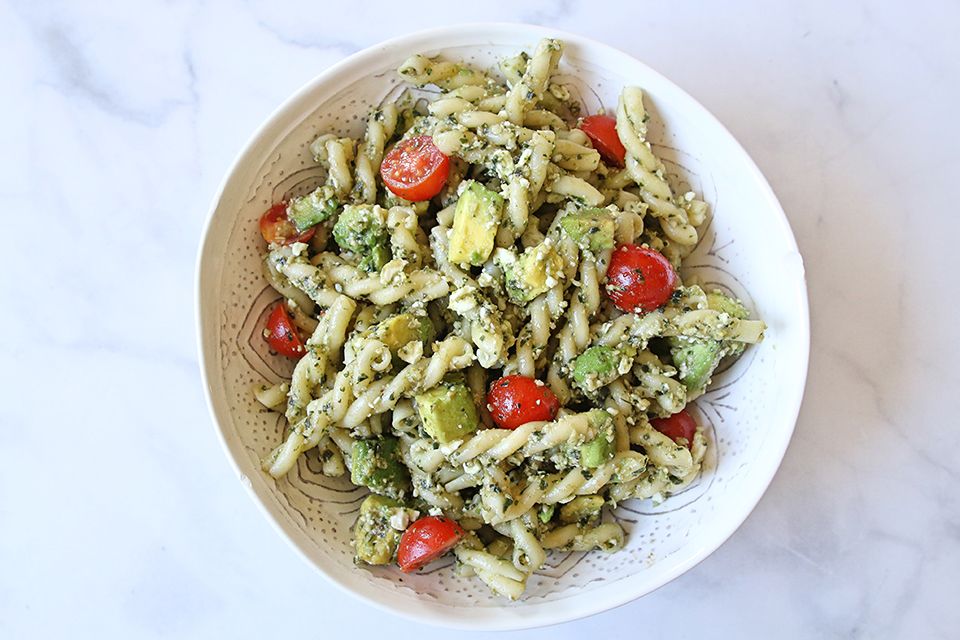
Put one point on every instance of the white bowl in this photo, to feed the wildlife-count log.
(751, 409)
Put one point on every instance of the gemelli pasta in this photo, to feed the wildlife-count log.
(491, 332)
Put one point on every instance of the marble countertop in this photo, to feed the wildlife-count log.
(119, 513)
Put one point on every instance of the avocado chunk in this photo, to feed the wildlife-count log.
(591, 229)
(546, 512)
(724, 303)
(362, 230)
(582, 509)
(599, 449)
(447, 411)
(312, 209)
(399, 330)
(535, 271)
(427, 331)
(475, 223)
(695, 361)
(375, 541)
(376, 465)
(596, 452)
(596, 367)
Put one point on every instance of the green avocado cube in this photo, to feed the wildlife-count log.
(720, 302)
(362, 230)
(596, 452)
(546, 512)
(312, 209)
(427, 331)
(375, 541)
(596, 367)
(447, 411)
(399, 330)
(376, 464)
(475, 222)
(600, 448)
(591, 229)
(582, 509)
(535, 271)
(695, 360)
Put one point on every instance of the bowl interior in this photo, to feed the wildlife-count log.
(746, 248)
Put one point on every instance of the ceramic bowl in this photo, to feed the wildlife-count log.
(746, 248)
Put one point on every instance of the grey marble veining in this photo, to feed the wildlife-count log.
(119, 514)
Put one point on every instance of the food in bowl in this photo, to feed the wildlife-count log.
(491, 331)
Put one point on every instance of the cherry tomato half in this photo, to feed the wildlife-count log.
(639, 278)
(415, 169)
(281, 333)
(678, 426)
(516, 400)
(277, 228)
(427, 539)
(602, 131)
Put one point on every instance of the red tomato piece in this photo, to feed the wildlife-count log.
(415, 169)
(602, 131)
(680, 426)
(427, 539)
(281, 333)
(277, 228)
(516, 400)
(639, 278)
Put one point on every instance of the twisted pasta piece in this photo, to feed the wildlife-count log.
(542, 314)
(477, 381)
(606, 537)
(630, 328)
(308, 431)
(404, 245)
(495, 445)
(282, 284)
(714, 325)
(528, 554)
(575, 334)
(647, 170)
(449, 194)
(548, 489)
(569, 187)
(404, 418)
(500, 575)
(343, 440)
(272, 396)
(331, 330)
(336, 154)
(323, 349)
(657, 381)
(512, 67)
(380, 127)
(629, 217)
(389, 286)
(421, 71)
(523, 95)
(574, 156)
(332, 463)
(659, 480)
(296, 268)
(487, 330)
(424, 485)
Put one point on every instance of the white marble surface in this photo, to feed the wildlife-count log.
(119, 514)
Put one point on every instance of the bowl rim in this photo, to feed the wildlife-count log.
(550, 612)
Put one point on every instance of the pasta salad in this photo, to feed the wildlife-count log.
(490, 328)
